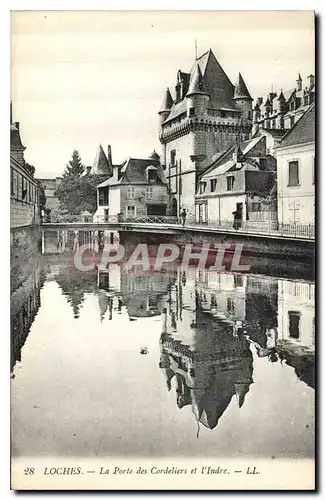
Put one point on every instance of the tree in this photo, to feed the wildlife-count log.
(77, 194)
(75, 167)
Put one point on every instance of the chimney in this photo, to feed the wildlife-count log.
(109, 154)
(16, 124)
(311, 79)
(10, 112)
(260, 100)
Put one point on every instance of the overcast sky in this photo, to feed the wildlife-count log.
(84, 78)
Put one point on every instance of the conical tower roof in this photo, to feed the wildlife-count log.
(167, 102)
(281, 96)
(241, 391)
(100, 164)
(197, 84)
(241, 91)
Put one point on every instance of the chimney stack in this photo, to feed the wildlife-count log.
(16, 124)
(311, 79)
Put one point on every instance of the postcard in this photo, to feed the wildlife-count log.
(162, 238)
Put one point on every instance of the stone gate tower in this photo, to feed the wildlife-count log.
(207, 116)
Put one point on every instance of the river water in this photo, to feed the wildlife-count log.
(184, 362)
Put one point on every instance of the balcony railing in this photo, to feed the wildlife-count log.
(271, 228)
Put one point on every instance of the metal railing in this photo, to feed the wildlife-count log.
(295, 230)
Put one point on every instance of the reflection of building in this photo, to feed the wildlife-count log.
(207, 374)
(25, 302)
(144, 292)
(296, 313)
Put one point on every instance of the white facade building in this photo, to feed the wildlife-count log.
(296, 172)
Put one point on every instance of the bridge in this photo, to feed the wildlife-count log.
(266, 230)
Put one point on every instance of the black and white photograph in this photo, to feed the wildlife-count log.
(162, 250)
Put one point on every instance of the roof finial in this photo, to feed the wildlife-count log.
(195, 49)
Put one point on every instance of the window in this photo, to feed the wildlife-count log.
(230, 183)
(24, 188)
(262, 163)
(273, 123)
(20, 187)
(223, 114)
(306, 100)
(213, 301)
(103, 196)
(130, 211)
(173, 157)
(130, 193)
(293, 173)
(203, 186)
(11, 181)
(149, 192)
(230, 305)
(15, 183)
(256, 207)
(191, 112)
(313, 171)
(238, 280)
(294, 324)
(152, 176)
(292, 105)
(292, 121)
(213, 185)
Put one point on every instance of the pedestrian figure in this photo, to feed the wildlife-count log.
(235, 223)
(183, 215)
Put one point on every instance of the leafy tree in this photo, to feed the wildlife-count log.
(77, 194)
(75, 167)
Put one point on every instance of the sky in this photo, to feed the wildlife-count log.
(80, 78)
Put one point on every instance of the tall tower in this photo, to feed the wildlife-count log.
(163, 115)
(200, 124)
(243, 103)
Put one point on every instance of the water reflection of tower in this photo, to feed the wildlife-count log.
(25, 302)
(210, 371)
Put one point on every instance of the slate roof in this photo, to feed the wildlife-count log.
(197, 84)
(167, 102)
(217, 84)
(276, 133)
(303, 131)
(101, 165)
(225, 162)
(134, 172)
(15, 140)
(241, 91)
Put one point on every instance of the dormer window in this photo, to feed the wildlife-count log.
(203, 186)
(152, 175)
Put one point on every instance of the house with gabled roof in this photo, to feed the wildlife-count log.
(136, 188)
(200, 121)
(239, 188)
(295, 157)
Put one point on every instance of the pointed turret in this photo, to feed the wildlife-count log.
(241, 91)
(241, 391)
(100, 164)
(165, 107)
(299, 82)
(197, 84)
(167, 102)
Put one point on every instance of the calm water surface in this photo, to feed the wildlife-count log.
(178, 363)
